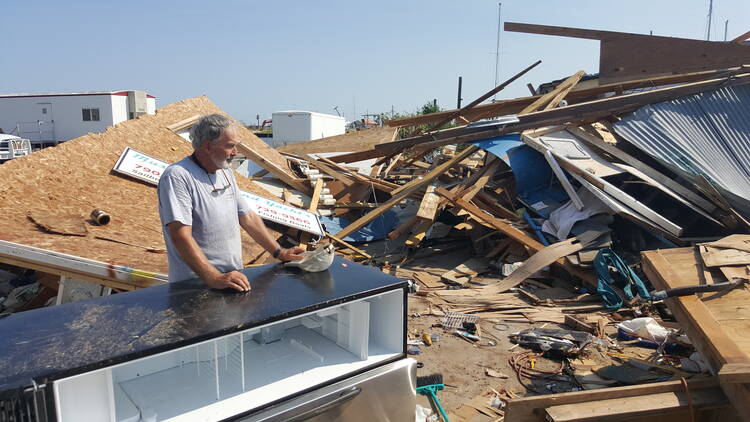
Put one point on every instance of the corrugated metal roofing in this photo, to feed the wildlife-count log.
(703, 134)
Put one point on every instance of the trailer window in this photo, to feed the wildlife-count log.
(90, 114)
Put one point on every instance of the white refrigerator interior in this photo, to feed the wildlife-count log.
(232, 374)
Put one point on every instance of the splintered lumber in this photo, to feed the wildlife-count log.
(419, 231)
(429, 206)
(548, 98)
(741, 38)
(316, 195)
(465, 271)
(635, 408)
(348, 245)
(463, 110)
(586, 111)
(271, 160)
(717, 257)
(539, 260)
(514, 105)
(403, 193)
(741, 242)
(429, 280)
(515, 234)
(716, 324)
(532, 408)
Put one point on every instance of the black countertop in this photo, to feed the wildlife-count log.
(60, 341)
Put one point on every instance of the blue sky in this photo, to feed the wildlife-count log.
(256, 57)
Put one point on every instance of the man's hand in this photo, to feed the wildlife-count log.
(292, 254)
(233, 279)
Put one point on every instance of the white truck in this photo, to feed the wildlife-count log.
(12, 146)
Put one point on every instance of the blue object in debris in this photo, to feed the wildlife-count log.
(375, 230)
(625, 279)
(535, 181)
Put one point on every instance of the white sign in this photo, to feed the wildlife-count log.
(148, 169)
(140, 166)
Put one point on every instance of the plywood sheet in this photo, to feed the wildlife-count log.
(75, 177)
(349, 142)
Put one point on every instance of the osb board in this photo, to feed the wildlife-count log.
(717, 323)
(348, 142)
(75, 177)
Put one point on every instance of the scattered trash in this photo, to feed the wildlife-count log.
(494, 374)
(567, 342)
(413, 349)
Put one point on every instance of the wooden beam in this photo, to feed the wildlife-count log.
(515, 234)
(592, 110)
(463, 110)
(741, 38)
(284, 174)
(706, 333)
(348, 245)
(429, 206)
(514, 105)
(403, 193)
(563, 87)
(634, 408)
(316, 195)
(531, 409)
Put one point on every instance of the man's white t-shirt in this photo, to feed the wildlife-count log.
(211, 205)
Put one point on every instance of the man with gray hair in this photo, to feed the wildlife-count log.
(201, 211)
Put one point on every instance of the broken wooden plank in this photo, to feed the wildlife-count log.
(429, 280)
(429, 206)
(635, 408)
(348, 245)
(515, 234)
(316, 195)
(403, 193)
(514, 105)
(464, 272)
(590, 110)
(531, 409)
(545, 99)
(538, 261)
(717, 257)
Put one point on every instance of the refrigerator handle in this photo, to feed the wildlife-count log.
(317, 408)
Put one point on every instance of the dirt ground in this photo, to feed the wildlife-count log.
(462, 363)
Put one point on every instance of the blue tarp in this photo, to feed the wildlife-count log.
(535, 180)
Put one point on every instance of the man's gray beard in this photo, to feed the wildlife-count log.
(224, 164)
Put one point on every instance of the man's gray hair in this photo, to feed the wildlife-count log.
(208, 128)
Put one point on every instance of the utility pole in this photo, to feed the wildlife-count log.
(458, 102)
(497, 46)
(710, 13)
(726, 27)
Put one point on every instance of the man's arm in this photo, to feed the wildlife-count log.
(191, 253)
(254, 226)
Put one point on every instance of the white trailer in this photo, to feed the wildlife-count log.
(47, 119)
(299, 126)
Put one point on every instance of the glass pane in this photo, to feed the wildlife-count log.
(95, 114)
(86, 114)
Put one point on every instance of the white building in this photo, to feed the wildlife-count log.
(47, 119)
(300, 126)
